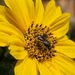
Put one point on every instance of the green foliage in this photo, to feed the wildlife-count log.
(7, 62)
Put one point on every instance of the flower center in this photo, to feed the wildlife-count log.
(40, 43)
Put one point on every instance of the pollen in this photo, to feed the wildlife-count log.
(43, 49)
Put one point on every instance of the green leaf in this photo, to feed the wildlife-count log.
(7, 70)
(7, 55)
(7, 63)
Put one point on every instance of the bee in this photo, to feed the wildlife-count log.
(45, 41)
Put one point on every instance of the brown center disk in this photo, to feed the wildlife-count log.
(40, 43)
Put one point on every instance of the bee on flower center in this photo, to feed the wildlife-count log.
(45, 41)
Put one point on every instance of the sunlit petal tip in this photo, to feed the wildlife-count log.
(17, 52)
(2, 44)
(67, 15)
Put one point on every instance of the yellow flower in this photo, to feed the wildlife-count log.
(37, 37)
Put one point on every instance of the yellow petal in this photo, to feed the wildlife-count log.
(55, 16)
(65, 64)
(26, 67)
(65, 42)
(66, 47)
(3, 44)
(63, 30)
(4, 39)
(52, 68)
(19, 66)
(4, 36)
(67, 50)
(49, 12)
(17, 52)
(47, 64)
(62, 39)
(60, 68)
(39, 11)
(19, 7)
(14, 40)
(43, 69)
(30, 6)
(10, 29)
(55, 71)
(58, 22)
(3, 19)
(49, 7)
(61, 25)
(11, 17)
